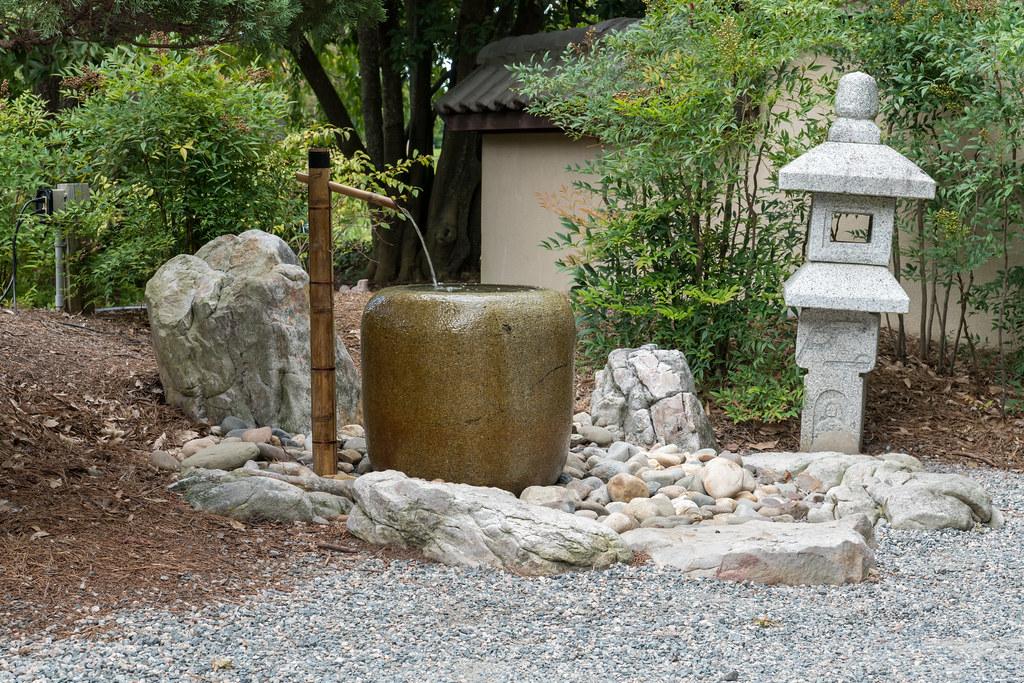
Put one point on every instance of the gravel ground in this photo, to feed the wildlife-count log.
(947, 606)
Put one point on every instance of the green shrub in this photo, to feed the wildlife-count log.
(950, 75)
(199, 136)
(24, 129)
(178, 148)
(692, 240)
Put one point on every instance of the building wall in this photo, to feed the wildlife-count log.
(526, 183)
(524, 186)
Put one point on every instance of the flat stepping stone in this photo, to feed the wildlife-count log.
(762, 552)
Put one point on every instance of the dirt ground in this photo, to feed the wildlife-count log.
(87, 526)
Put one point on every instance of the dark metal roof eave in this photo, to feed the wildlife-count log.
(491, 87)
(507, 121)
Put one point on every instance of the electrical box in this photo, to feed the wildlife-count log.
(68, 193)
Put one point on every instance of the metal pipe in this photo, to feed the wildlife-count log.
(58, 269)
(121, 309)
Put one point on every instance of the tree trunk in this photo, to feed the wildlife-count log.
(454, 212)
(392, 101)
(448, 206)
(925, 327)
(388, 239)
(421, 139)
(530, 18)
(48, 87)
(369, 44)
(326, 94)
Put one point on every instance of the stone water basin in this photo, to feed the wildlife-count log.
(469, 383)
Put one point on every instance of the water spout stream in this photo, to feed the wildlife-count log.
(426, 252)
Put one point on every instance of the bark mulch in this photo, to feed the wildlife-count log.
(910, 409)
(86, 525)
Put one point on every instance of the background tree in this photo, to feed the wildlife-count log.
(407, 53)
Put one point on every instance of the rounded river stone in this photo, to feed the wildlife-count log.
(470, 384)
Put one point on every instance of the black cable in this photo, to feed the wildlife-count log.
(14, 250)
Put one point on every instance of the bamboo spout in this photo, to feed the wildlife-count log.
(355, 193)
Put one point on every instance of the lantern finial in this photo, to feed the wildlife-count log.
(856, 106)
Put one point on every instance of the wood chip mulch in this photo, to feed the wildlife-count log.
(910, 409)
(86, 525)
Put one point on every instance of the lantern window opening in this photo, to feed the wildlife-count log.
(850, 227)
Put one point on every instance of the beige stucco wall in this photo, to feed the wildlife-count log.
(524, 184)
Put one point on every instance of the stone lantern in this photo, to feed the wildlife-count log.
(845, 284)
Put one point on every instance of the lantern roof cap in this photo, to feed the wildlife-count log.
(853, 161)
(857, 168)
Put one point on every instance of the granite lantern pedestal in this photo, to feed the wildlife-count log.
(845, 285)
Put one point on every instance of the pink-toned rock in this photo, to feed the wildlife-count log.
(258, 435)
(761, 552)
(625, 487)
(195, 445)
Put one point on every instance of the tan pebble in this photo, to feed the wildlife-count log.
(667, 459)
(195, 445)
(770, 512)
(258, 435)
(274, 441)
(353, 430)
(350, 455)
(619, 522)
(685, 506)
(694, 469)
(745, 495)
(672, 491)
(625, 487)
(725, 504)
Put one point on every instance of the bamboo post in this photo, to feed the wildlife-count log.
(321, 314)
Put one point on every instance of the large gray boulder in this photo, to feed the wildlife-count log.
(249, 497)
(931, 500)
(647, 396)
(790, 553)
(892, 486)
(477, 526)
(230, 329)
